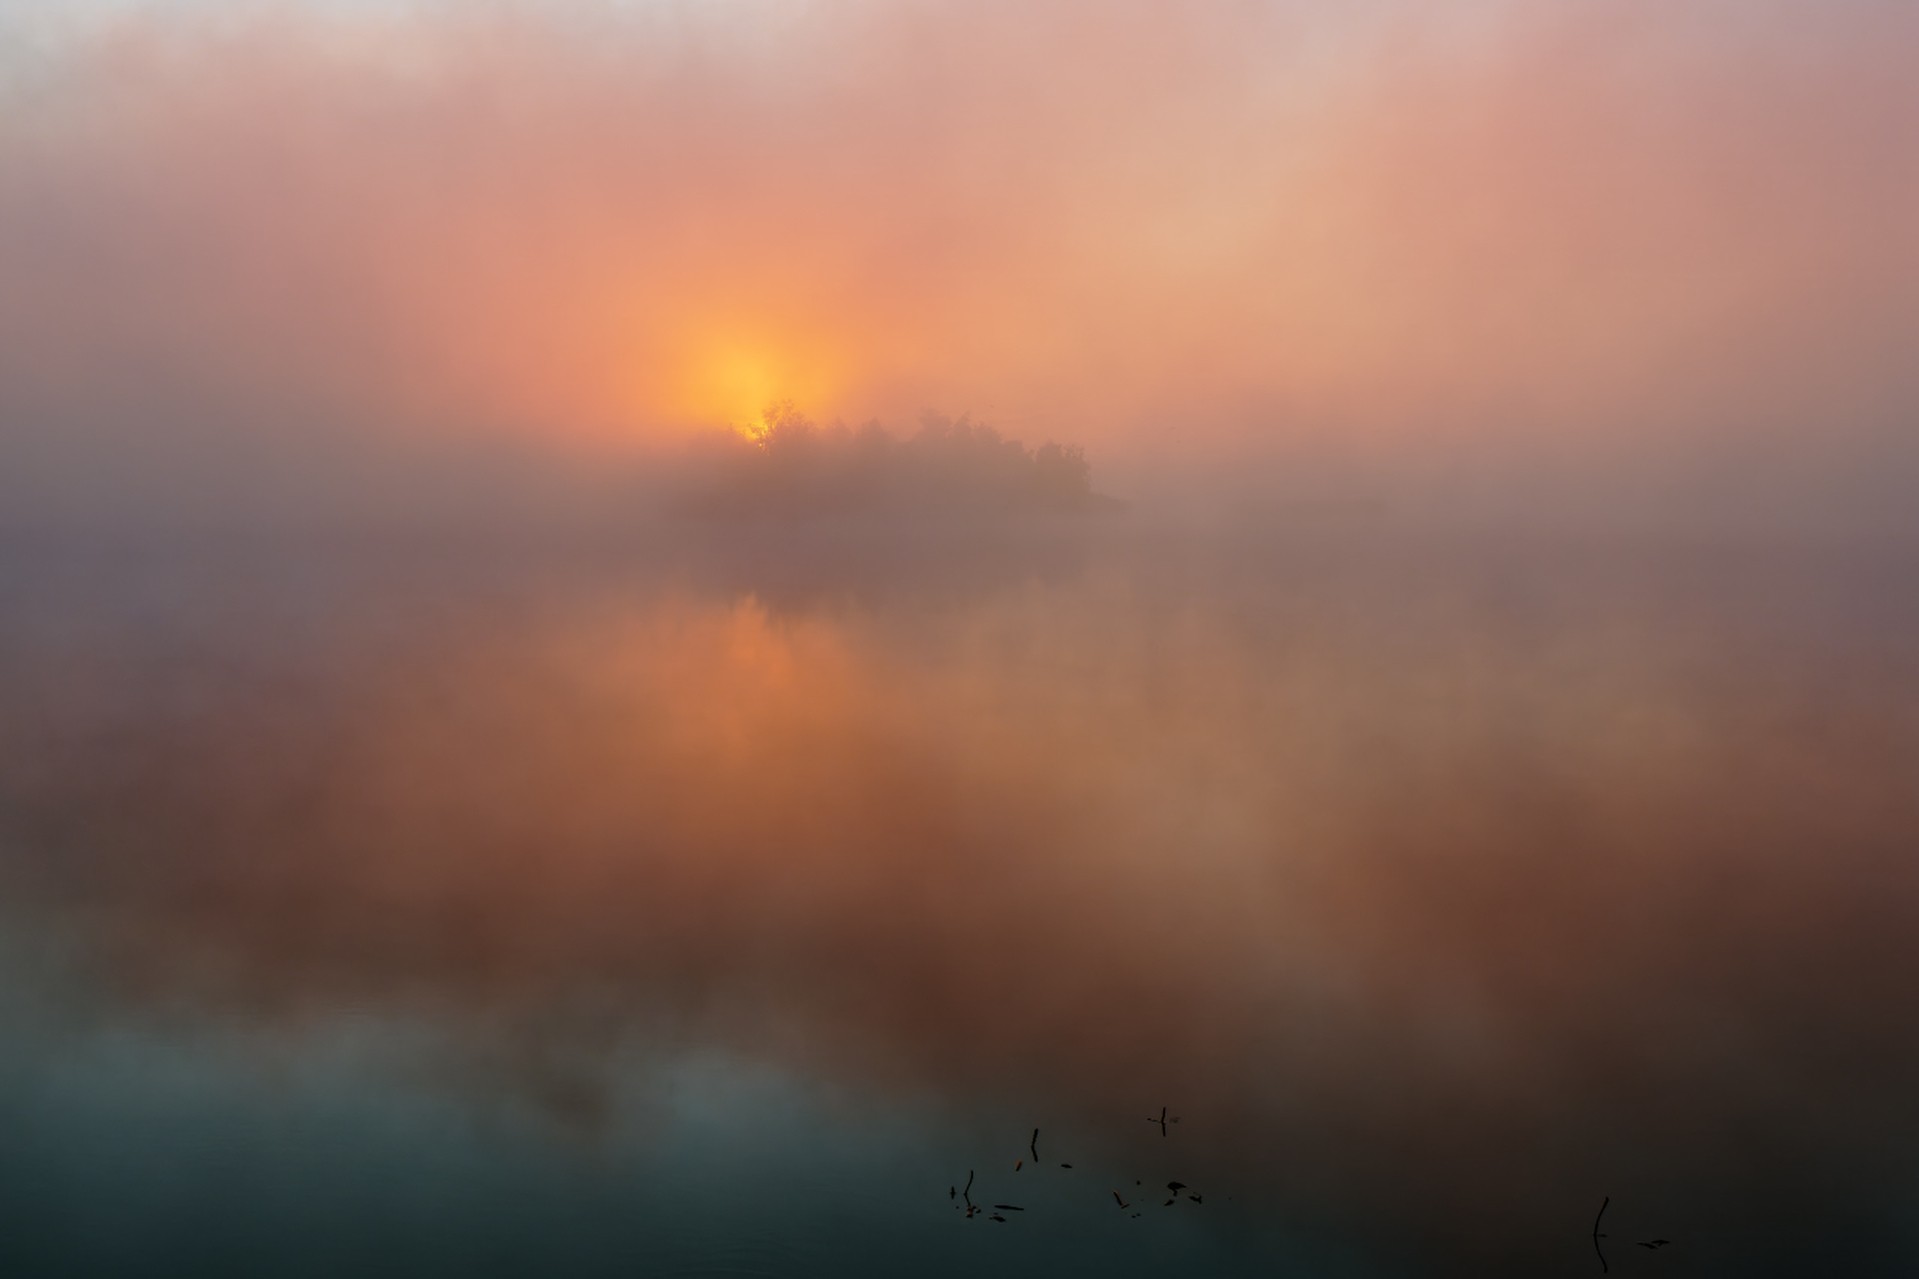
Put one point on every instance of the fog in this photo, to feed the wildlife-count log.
(1439, 896)
(634, 636)
(1600, 266)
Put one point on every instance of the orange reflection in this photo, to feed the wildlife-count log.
(1373, 860)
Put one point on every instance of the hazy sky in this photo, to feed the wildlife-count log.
(1634, 256)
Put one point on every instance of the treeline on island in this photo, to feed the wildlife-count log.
(949, 466)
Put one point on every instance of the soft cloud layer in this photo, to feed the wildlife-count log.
(1641, 257)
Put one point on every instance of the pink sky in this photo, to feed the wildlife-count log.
(1586, 241)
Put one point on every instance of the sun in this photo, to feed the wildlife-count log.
(739, 385)
(733, 381)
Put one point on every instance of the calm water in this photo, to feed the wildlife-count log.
(425, 912)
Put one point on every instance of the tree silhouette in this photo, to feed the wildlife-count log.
(793, 466)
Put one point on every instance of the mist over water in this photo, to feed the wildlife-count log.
(624, 909)
(1393, 637)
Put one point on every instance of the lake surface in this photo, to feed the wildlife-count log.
(649, 912)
